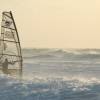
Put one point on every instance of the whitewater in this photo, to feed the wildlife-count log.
(55, 74)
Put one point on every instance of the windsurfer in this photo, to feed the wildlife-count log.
(5, 64)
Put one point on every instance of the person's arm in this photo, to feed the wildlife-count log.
(12, 63)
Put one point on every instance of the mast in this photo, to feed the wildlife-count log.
(17, 36)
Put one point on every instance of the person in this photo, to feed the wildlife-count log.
(5, 65)
(10, 71)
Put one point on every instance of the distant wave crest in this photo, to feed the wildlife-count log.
(52, 53)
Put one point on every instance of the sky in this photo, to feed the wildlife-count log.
(56, 23)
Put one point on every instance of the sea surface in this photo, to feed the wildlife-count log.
(55, 74)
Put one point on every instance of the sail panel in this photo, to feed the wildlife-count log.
(7, 22)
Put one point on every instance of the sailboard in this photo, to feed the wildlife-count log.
(9, 41)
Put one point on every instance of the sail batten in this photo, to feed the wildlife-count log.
(10, 43)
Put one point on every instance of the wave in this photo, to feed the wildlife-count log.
(61, 53)
(78, 51)
(70, 51)
(75, 81)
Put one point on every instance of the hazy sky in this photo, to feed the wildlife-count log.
(56, 23)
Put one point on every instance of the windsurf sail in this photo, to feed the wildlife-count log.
(10, 43)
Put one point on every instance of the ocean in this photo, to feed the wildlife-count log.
(55, 74)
